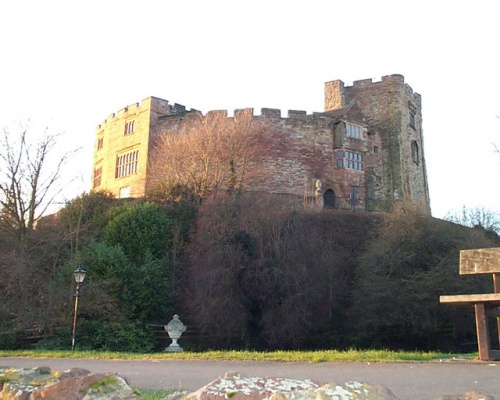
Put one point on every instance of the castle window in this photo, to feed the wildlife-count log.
(129, 127)
(100, 143)
(340, 161)
(349, 160)
(375, 149)
(126, 164)
(353, 131)
(97, 176)
(414, 152)
(412, 119)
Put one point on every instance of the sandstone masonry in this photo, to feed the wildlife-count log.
(364, 152)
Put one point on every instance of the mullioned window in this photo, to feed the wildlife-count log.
(126, 164)
(350, 160)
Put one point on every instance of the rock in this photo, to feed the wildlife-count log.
(235, 387)
(20, 383)
(76, 384)
(469, 396)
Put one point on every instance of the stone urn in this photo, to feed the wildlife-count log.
(174, 328)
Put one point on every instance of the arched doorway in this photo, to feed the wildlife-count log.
(329, 199)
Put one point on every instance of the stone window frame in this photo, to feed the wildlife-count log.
(412, 113)
(353, 130)
(129, 127)
(126, 164)
(415, 152)
(350, 160)
(100, 142)
(97, 176)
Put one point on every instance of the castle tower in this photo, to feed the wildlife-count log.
(394, 112)
(122, 147)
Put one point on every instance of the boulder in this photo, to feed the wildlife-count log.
(75, 384)
(237, 387)
(468, 396)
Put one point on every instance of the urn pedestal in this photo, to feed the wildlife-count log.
(174, 328)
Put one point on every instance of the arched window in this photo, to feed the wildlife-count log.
(329, 199)
(414, 152)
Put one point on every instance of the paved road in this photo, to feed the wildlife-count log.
(408, 381)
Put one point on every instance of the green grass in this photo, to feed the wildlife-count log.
(153, 394)
(103, 386)
(109, 380)
(282, 356)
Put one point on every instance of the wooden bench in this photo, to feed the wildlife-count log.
(481, 261)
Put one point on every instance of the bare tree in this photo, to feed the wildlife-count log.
(27, 186)
(207, 153)
(476, 217)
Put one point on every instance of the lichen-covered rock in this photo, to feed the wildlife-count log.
(468, 396)
(75, 384)
(237, 387)
(20, 383)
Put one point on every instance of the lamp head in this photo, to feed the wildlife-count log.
(79, 274)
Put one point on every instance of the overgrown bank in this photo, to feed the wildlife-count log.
(243, 273)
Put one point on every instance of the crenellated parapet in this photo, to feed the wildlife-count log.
(269, 113)
(151, 104)
(265, 114)
(338, 95)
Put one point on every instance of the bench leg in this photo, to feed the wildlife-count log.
(483, 334)
(498, 329)
(496, 287)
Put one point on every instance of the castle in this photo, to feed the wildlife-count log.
(364, 152)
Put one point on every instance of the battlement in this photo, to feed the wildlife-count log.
(160, 106)
(271, 113)
(336, 91)
(163, 108)
(394, 79)
(391, 79)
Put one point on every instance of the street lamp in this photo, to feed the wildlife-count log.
(79, 275)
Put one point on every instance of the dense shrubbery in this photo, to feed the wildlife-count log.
(328, 279)
(401, 275)
(131, 253)
(242, 272)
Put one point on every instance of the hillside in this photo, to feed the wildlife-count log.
(241, 272)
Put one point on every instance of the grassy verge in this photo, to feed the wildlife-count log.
(151, 394)
(281, 356)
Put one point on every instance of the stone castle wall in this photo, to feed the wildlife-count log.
(301, 148)
(297, 150)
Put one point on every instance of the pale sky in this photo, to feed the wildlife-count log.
(70, 64)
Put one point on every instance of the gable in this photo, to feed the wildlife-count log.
(351, 113)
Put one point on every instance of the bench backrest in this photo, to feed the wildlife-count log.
(480, 261)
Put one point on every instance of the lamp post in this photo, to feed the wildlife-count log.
(79, 275)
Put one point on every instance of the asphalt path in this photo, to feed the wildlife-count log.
(407, 380)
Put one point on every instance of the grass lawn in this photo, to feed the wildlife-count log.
(283, 356)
